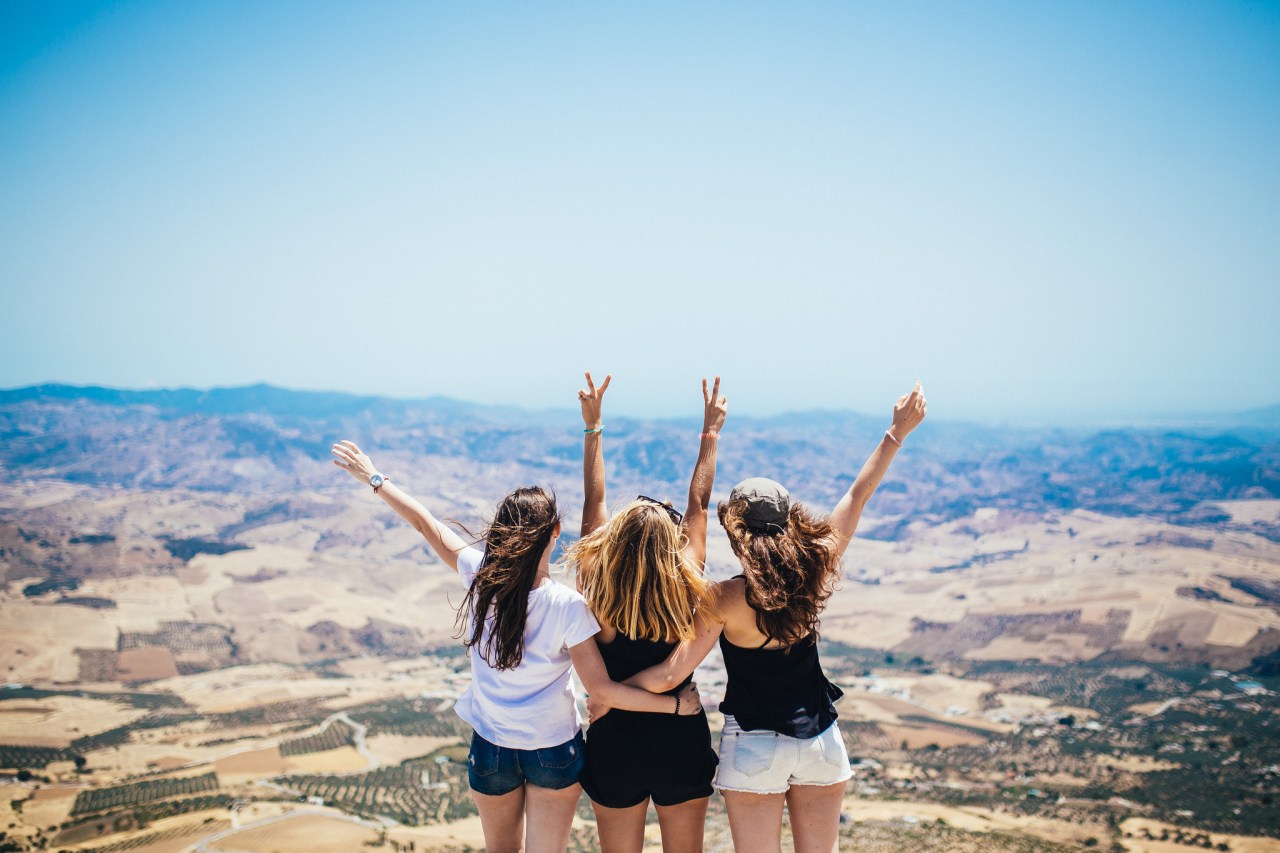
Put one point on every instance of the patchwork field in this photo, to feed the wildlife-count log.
(58, 720)
(210, 664)
(299, 834)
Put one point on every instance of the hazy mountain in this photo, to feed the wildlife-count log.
(262, 438)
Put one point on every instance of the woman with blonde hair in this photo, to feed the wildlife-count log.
(781, 745)
(641, 574)
(522, 630)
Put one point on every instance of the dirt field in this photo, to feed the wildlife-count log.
(56, 792)
(1020, 704)
(47, 805)
(254, 764)
(976, 820)
(1237, 843)
(58, 720)
(37, 640)
(300, 834)
(180, 838)
(465, 833)
(239, 687)
(873, 708)
(918, 736)
(167, 835)
(393, 749)
(944, 691)
(309, 587)
(343, 760)
(149, 663)
(858, 704)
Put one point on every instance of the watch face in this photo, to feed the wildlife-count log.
(375, 480)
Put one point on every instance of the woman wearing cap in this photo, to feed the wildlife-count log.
(641, 574)
(527, 752)
(781, 745)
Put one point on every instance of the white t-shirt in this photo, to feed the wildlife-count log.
(531, 706)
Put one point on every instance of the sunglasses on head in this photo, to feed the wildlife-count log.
(676, 515)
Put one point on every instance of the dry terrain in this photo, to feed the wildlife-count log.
(1047, 641)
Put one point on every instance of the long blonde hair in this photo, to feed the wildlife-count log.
(636, 576)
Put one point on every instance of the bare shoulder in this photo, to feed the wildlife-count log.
(731, 601)
(730, 591)
(737, 615)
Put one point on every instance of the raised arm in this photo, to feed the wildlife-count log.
(908, 412)
(446, 543)
(595, 677)
(714, 408)
(594, 510)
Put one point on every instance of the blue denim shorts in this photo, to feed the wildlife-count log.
(497, 770)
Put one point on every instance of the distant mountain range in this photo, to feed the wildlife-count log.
(260, 438)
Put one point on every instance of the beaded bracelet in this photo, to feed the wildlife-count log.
(677, 711)
(595, 431)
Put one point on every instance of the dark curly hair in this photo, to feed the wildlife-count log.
(790, 574)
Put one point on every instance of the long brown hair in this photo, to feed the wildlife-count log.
(636, 576)
(790, 574)
(498, 597)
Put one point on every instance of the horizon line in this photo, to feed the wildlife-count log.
(1201, 419)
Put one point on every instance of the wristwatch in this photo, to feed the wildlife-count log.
(376, 480)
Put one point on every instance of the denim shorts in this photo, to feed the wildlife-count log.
(765, 762)
(497, 770)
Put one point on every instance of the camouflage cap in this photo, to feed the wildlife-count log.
(768, 504)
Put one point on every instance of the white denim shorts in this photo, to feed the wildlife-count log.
(765, 762)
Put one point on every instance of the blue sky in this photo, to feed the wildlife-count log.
(1047, 212)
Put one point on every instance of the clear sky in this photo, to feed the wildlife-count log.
(1046, 211)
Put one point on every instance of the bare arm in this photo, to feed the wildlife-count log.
(682, 661)
(442, 539)
(908, 412)
(595, 511)
(714, 408)
(591, 669)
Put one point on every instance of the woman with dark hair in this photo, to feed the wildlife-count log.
(641, 574)
(522, 630)
(781, 745)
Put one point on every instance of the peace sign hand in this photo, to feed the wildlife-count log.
(714, 408)
(592, 400)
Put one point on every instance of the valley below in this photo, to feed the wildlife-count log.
(211, 639)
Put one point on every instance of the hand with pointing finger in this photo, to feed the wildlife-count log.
(908, 412)
(592, 401)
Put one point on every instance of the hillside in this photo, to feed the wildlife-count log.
(260, 438)
(1047, 639)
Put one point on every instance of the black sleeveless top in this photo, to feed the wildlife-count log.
(624, 657)
(782, 690)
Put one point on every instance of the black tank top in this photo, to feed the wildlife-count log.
(624, 657)
(782, 690)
